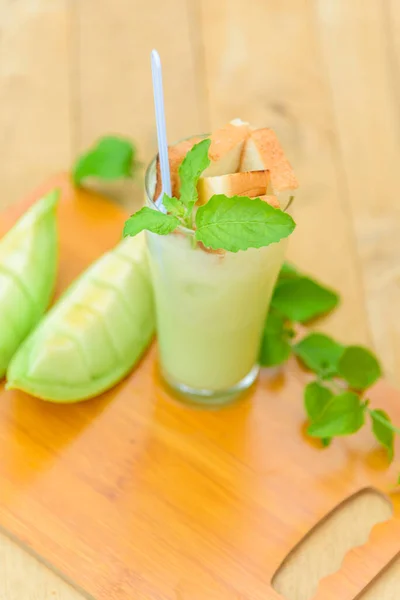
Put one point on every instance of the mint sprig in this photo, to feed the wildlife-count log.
(359, 367)
(316, 399)
(334, 402)
(275, 346)
(344, 414)
(239, 223)
(320, 353)
(288, 271)
(112, 157)
(174, 206)
(383, 430)
(302, 299)
(223, 223)
(151, 220)
(195, 162)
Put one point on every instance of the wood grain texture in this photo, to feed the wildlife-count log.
(136, 495)
(24, 577)
(35, 119)
(364, 89)
(115, 39)
(386, 584)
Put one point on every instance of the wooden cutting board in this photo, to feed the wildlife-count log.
(135, 495)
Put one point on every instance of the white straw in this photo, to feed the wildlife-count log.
(160, 122)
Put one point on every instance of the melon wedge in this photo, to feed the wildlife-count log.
(95, 334)
(28, 269)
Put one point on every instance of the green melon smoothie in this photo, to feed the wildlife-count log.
(211, 303)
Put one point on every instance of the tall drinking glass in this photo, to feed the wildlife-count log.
(211, 309)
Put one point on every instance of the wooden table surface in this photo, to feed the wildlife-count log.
(325, 74)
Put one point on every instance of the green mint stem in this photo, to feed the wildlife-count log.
(193, 242)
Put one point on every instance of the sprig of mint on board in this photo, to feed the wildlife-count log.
(223, 223)
(335, 402)
(112, 157)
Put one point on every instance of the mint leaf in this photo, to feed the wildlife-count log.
(275, 346)
(288, 271)
(343, 415)
(359, 367)
(152, 220)
(386, 421)
(302, 299)
(173, 206)
(110, 158)
(192, 166)
(383, 431)
(320, 353)
(316, 398)
(239, 223)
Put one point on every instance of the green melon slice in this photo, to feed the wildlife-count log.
(28, 269)
(95, 334)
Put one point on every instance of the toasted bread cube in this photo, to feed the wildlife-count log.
(263, 151)
(252, 184)
(225, 152)
(226, 148)
(272, 200)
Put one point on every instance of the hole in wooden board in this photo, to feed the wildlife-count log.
(322, 551)
(386, 586)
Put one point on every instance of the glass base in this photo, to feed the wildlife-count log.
(211, 398)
